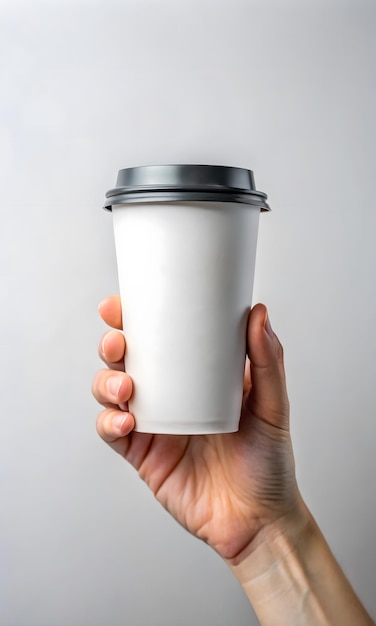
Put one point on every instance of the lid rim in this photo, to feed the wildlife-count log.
(145, 198)
(116, 191)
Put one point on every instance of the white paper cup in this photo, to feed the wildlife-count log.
(186, 277)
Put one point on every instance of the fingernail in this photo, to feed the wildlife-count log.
(119, 420)
(103, 343)
(114, 384)
(268, 326)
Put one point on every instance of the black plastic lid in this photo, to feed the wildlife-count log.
(179, 183)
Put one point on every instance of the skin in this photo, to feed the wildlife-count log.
(222, 488)
(237, 491)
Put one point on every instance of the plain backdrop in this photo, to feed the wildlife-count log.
(286, 88)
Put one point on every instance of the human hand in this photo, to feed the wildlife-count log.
(223, 488)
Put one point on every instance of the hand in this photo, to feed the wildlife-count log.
(222, 488)
(237, 491)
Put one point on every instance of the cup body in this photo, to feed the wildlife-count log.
(186, 279)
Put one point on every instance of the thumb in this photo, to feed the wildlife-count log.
(267, 398)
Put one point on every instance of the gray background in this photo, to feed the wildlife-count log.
(285, 88)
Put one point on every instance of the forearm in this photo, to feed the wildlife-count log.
(291, 578)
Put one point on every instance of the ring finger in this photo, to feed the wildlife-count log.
(111, 387)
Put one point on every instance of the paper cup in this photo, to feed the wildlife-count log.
(186, 267)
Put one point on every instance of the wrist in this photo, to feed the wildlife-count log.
(275, 543)
(291, 577)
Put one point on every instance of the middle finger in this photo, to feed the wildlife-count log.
(112, 348)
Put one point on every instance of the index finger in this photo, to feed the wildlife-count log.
(110, 311)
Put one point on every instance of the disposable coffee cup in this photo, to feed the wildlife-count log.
(185, 239)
